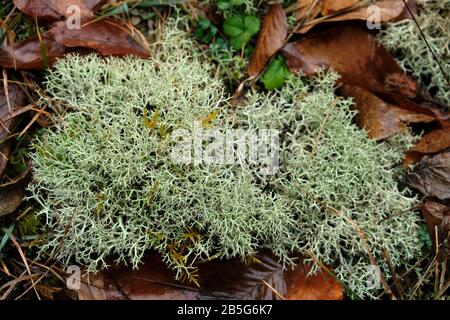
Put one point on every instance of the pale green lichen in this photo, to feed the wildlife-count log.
(406, 42)
(108, 186)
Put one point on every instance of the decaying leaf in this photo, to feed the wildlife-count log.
(331, 6)
(261, 279)
(388, 9)
(307, 10)
(378, 118)
(54, 10)
(28, 54)
(106, 36)
(351, 51)
(10, 198)
(7, 120)
(13, 193)
(271, 38)
(432, 176)
(437, 217)
(432, 142)
(413, 8)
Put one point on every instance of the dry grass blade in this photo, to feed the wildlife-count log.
(24, 259)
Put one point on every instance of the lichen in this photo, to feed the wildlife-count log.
(107, 184)
(405, 40)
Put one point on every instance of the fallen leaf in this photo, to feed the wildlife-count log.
(27, 54)
(308, 9)
(351, 51)
(12, 194)
(271, 39)
(437, 216)
(380, 119)
(406, 14)
(432, 142)
(262, 279)
(106, 36)
(332, 6)
(432, 176)
(55, 10)
(10, 199)
(389, 10)
(7, 122)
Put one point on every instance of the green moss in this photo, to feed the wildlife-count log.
(108, 186)
(405, 41)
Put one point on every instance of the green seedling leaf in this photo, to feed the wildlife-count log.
(241, 29)
(205, 30)
(149, 3)
(227, 4)
(276, 74)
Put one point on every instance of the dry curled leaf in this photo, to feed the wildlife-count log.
(263, 279)
(9, 103)
(432, 176)
(380, 119)
(270, 40)
(432, 142)
(437, 217)
(10, 199)
(13, 193)
(351, 51)
(106, 36)
(307, 10)
(406, 14)
(31, 54)
(54, 10)
(389, 10)
(332, 6)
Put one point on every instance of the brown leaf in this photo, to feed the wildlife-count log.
(7, 122)
(389, 10)
(332, 6)
(27, 54)
(218, 280)
(378, 118)
(437, 216)
(106, 36)
(306, 10)
(405, 15)
(10, 198)
(13, 193)
(432, 142)
(271, 39)
(432, 176)
(321, 286)
(351, 51)
(54, 10)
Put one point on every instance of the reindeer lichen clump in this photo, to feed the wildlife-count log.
(108, 186)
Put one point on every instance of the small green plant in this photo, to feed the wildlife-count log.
(205, 31)
(276, 74)
(241, 30)
(227, 4)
